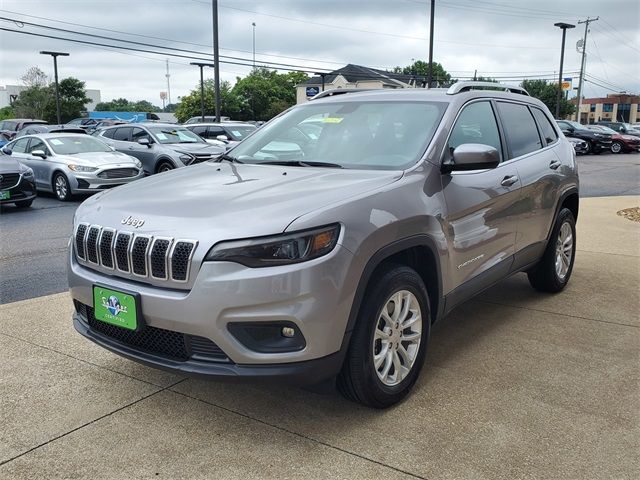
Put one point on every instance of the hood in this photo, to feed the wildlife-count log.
(97, 159)
(9, 164)
(211, 202)
(630, 138)
(195, 148)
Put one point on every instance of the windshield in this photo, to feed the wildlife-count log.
(604, 129)
(359, 135)
(238, 132)
(80, 144)
(175, 135)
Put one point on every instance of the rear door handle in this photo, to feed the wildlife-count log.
(508, 181)
(555, 164)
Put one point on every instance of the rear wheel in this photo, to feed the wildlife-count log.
(553, 271)
(589, 148)
(61, 187)
(390, 339)
(616, 147)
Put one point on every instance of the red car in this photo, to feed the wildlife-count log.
(620, 142)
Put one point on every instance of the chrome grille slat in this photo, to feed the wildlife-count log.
(133, 254)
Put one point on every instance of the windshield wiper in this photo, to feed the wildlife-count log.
(228, 158)
(302, 163)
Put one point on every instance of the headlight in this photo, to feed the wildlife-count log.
(279, 249)
(82, 168)
(26, 171)
(138, 163)
(186, 158)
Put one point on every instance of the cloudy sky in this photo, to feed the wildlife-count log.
(501, 38)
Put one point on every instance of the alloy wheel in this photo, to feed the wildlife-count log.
(616, 147)
(397, 336)
(564, 250)
(61, 187)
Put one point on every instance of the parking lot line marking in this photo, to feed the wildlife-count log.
(282, 429)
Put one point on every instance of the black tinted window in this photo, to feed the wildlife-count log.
(215, 131)
(199, 130)
(20, 146)
(548, 131)
(123, 134)
(109, 133)
(476, 124)
(520, 129)
(139, 133)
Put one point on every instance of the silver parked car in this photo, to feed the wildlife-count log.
(160, 147)
(338, 262)
(227, 134)
(66, 163)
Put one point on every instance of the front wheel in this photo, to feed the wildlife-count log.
(389, 341)
(553, 271)
(61, 187)
(616, 147)
(164, 167)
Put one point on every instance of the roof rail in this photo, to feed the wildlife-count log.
(338, 91)
(471, 85)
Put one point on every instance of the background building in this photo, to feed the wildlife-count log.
(10, 93)
(615, 107)
(353, 76)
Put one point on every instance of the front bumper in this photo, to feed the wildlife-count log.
(24, 190)
(81, 182)
(314, 296)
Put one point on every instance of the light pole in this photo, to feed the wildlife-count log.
(564, 27)
(55, 56)
(253, 24)
(202, 65)
(430, 71)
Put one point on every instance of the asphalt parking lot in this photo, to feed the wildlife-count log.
(517, 384)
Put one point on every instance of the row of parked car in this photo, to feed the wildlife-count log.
(616, 137)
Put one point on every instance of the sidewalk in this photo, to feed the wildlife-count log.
(517, 385)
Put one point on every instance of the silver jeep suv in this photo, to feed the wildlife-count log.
(334, 263)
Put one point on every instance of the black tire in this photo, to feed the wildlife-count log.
(24, 203)
(544, 276)
(358, 381)
(589, 148)
(164, 166)
(61, 187)
(617, 147)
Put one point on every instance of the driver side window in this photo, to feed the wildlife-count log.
(37, 144)
(476, 124)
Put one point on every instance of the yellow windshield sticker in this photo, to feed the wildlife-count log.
(332, 119)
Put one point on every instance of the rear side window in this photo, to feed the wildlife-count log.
(123, 134)
(20, 146)
(520, 129)
(548, 132)
(476, 124)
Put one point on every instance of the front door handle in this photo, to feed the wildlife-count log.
(508, 181)
(555, 164)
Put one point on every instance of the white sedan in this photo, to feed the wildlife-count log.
(66, 164)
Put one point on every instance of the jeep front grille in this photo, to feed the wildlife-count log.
(139, 255)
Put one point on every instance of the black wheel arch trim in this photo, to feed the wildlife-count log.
(566, 194)
(162, 160)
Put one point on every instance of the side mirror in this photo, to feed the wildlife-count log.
(144, 141)
(39, 153)
(621, 129)
(6, 151)
(473, 156)
(222, 138)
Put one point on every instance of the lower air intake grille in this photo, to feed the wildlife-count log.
(158, 341)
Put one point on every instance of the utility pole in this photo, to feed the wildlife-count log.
(582, 64)
(168, 83)
(564, 27)
(55, 56)
(201, 65)
(430, 71)
(216, 57)
(253, 24)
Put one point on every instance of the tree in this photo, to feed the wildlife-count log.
(73, 100)
(420, 68)
(6, 112)
(547, 93)
(124, 105)
(33, 101)
(190, 105)
(34, 77)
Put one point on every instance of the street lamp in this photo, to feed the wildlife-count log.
(564, 27)
(55, 56)
(202, 65)
(253, 24)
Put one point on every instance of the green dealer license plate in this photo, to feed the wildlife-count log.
(6, 195)
(114, 307)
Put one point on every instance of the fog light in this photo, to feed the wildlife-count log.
(288, 332)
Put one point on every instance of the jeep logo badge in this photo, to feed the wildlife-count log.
(134, 222)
